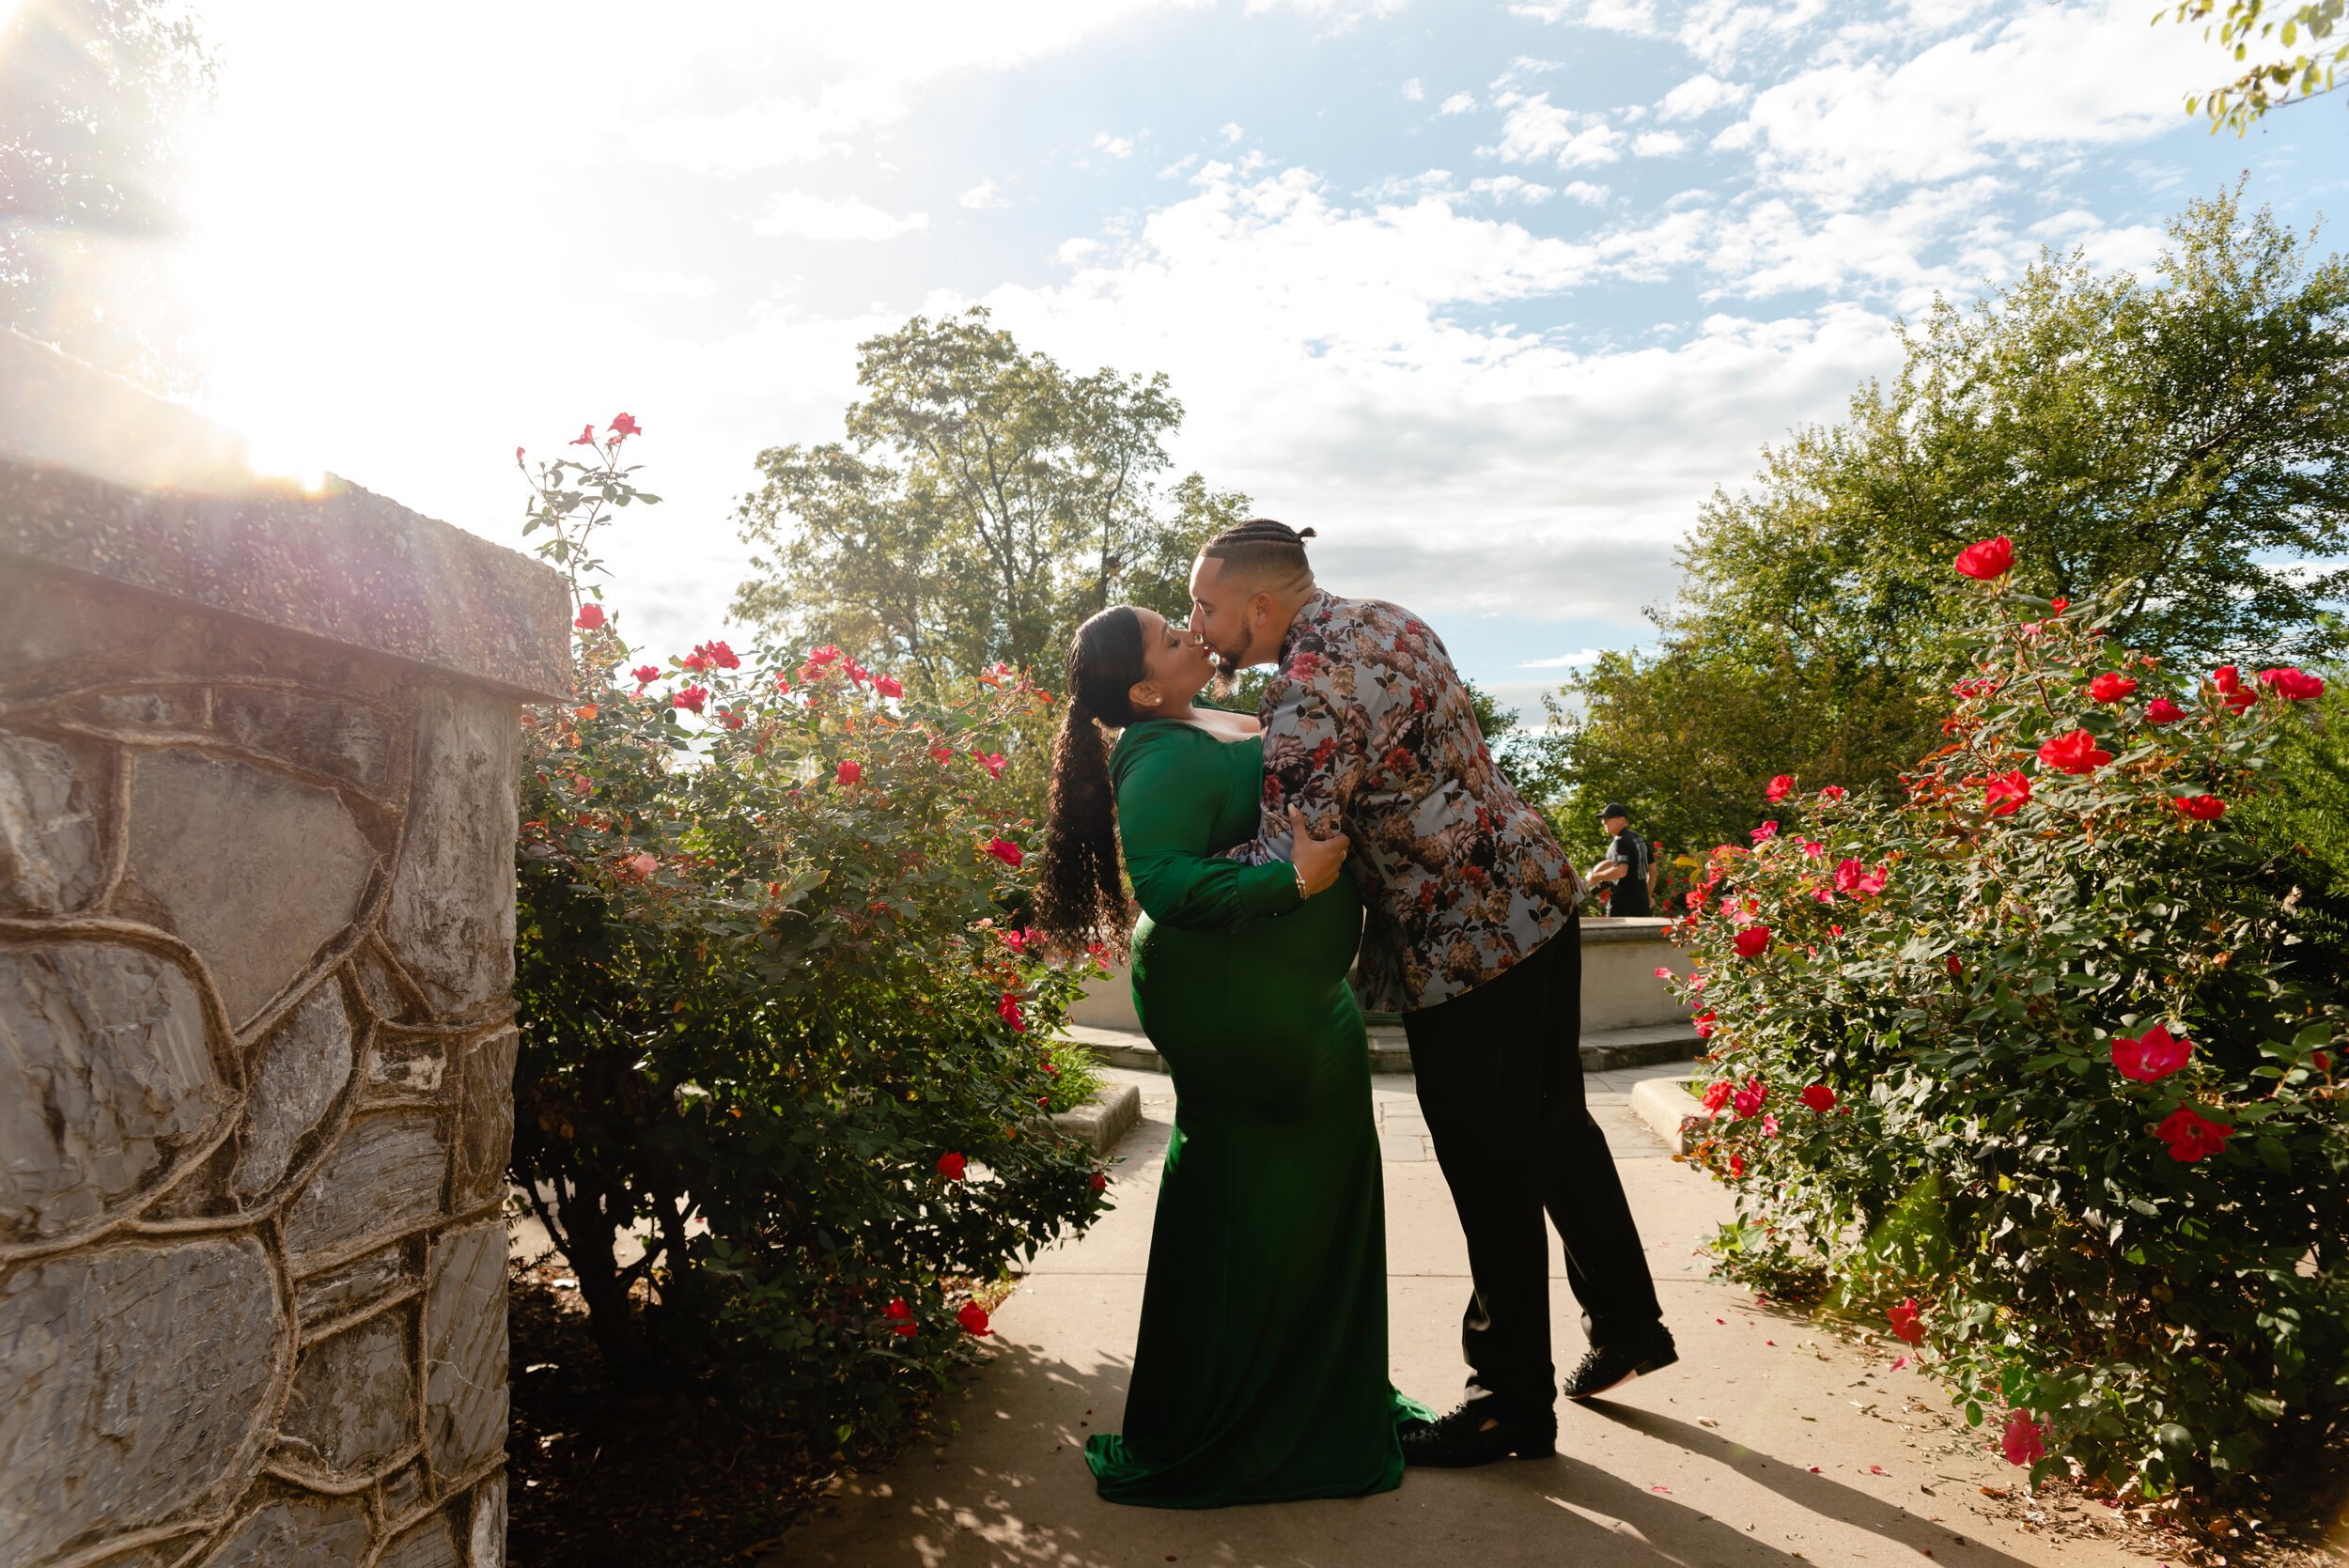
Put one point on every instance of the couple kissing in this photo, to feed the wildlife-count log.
(1356, 821)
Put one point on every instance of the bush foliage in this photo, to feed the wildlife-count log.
(2028, 1057)
(777, 1023)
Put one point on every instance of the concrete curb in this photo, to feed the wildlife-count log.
(1101, 1120)
(1671, 1112)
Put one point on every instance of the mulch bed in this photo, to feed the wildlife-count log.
(635, 1483)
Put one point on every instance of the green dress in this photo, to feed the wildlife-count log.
(1260, 1374)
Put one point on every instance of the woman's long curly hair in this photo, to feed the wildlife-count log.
(1080, 898)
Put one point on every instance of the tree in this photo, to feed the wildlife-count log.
(2187, 434)
(96, 98)
(984, 503)
(2271, 84)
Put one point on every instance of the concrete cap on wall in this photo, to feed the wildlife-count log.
(103, 479)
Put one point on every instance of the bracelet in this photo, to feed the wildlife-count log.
(1303, 896)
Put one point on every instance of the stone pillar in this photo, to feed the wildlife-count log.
(256, 1048)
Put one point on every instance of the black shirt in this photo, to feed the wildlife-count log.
(1631, 895)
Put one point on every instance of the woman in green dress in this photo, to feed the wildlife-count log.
(1260, 1370)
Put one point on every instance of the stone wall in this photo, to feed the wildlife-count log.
(256, 1047)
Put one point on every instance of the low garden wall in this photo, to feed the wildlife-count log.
(257, 921)
(1620, 987)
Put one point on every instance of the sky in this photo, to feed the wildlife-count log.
(1492, 296)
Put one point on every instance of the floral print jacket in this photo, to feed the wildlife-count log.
(1368, 727)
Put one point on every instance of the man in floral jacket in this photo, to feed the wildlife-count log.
(1472, 936)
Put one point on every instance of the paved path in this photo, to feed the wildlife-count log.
(1768, 1443)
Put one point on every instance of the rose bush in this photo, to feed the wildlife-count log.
(2060, 1099)
(780, 1025)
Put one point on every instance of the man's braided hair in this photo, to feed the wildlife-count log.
(1262, 551)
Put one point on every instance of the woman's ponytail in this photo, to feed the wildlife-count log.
(1080, 896)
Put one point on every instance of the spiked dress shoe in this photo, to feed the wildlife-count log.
(1478, 1433)
(1602, 1369)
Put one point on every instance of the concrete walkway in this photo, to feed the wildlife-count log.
(1768, 1443)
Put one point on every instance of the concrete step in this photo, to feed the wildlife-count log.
(1101, 1120)
(1603, 1050)
(1676, 1115)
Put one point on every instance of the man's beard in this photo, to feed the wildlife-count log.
(1229, 665)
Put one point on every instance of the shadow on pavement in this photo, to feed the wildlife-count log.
(1813, 1493)
(1012, 1489)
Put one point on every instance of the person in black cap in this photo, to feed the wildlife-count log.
(1628, 864)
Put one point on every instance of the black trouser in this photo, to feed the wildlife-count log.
(1499, 1072)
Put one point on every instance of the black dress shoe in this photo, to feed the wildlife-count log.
(1605, 1367)
(1462, 1439)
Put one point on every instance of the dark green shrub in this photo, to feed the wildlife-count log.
(774, 1022)
(1922, 1010)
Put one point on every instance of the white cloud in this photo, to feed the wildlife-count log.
(1231, 133)
(1588, 194)
(1413, 91)
(1534, 130)
(1458, 104)
(983, 194)
(1659, 144)
(1117, 147)
(1349, 393)
(1508, 187)
(1565, 661)
(796, 213)
(2010, 95)
(681, 285)
(1701, 95)
(1179, 166)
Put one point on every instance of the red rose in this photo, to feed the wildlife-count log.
(991, 761)
(731, 718)
(1717, 1095)
(587, 436)
(2202, 808)
(2024, 1440)
(901, 1318)
(2154, 1054)
(2227, 682)
(645, 673)
(974, 1319)
(2003, 792)
(2161, 711)
(1752, 941)
(942, 755)
(1907, 1322)
(625, 425)
(1778, 789)
(1830, 794)
(1737, 1164)
(690, 697)
(2109, 688)
(2061, 605)
(590, 617)
(1008, 1010)
(1006, 851)
(1749, 1100)
(1874, 882)
(848, 773)
(1973, 687)
(1956, 967)
(2075, 752)
(1819, 1097)
(2192, 1137)
(638, 868)
(2293, 686)
(889, 685)
(1987, 559)
(1097, 1181)
(951, 1167)
(1767, 831)
(783, 685)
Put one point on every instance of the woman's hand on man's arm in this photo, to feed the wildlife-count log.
(1319, 860)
